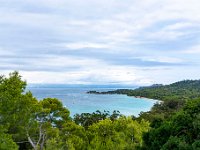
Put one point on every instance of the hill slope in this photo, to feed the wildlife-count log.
(182, 90)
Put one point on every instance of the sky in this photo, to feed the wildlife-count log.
(129, 42)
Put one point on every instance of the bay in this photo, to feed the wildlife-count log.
(78, 101)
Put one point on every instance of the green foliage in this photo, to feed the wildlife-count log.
(161, 111)
(54, 112)
(74, 136)
(175, 143)
(103, 133)
(6, 141)
(123, 133)
(16, 106)
(196, 145)
(157, 137)
(26, 119)
(54, 144)
(87, 119)
(180, 131)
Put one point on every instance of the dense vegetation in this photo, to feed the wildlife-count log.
(182, 90)
(181, 131)
(26, 123)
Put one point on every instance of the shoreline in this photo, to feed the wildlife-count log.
(138, 97)
(141, 97)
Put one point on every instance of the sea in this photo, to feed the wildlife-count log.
(76, 99)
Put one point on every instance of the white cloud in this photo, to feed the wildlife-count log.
(162, 59)
(135, 28)
(83, 45)
(180, 25)
(88, 75)
(4, 52)
(192, 50)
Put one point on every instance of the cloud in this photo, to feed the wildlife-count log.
(106, 75)
(100, 41)
(85, 45)
(6, 53)
(193, 50)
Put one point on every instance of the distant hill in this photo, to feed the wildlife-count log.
(182, 90)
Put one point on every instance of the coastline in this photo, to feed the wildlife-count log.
(110, 92)
(141, 97)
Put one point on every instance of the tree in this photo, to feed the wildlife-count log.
(180, 131)
(131, 130)
(104, 136)
(54, 111)
(16, 106)
(87, 119)
(74, 136)
(25, 118)
(6, 141)
(51, 115)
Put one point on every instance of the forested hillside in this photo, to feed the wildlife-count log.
(183, 90)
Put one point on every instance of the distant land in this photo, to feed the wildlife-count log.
(182, 90)
(82, 86)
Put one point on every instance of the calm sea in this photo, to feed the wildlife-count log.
(78, 101)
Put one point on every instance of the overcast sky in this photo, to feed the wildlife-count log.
(100, 41)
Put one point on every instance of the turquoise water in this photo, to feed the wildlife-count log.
(78, 101)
